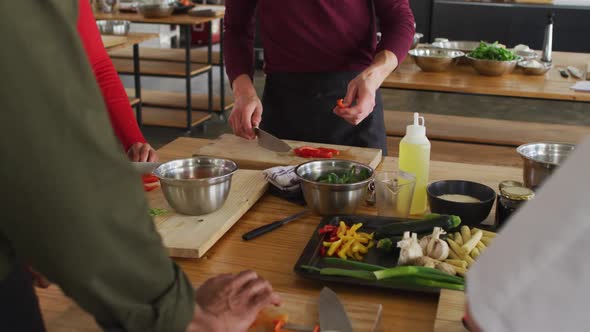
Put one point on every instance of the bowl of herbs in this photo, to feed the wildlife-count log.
(493, 59)
(334, 186)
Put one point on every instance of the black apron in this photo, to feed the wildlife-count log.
(19, 307)
(299, 106)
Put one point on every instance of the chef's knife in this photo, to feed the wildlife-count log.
(272, 226)
(270, 142)
(333, 317)
(144, 167)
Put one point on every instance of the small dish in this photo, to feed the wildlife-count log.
(534, 67)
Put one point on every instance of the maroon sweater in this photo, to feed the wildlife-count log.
(314, 35)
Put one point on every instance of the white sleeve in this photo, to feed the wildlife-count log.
(536, 274)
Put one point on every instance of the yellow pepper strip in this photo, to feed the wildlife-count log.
(370, 245)
(327, 244)
(342, 253)
(341, 229)
(356, 247)
(358, 257)
(362, 249)
(361, 239)
(354, 228)
(333, 247)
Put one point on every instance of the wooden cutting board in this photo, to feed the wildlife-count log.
(191, 236)
(450, 311)
(251, 156)
(300, 309)
(111, 41)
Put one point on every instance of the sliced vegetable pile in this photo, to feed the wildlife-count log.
(311, 152)
(493, 51)
(150, 182)
(467, 245)
(157, 212)
(345, 242)
(350, 176)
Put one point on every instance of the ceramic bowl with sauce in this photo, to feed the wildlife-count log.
(471, 201)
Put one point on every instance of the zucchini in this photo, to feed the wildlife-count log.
(447, 222)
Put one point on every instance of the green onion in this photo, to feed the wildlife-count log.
(357, 274)
(422, 282)
(353, 264)
(418, 271)
(310, 268)
(157, 212)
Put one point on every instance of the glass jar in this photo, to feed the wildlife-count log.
(509, 200)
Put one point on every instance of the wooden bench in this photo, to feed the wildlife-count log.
(166, 54)
(464, 152)
(158, 68)
(488, 131)
(170, 99)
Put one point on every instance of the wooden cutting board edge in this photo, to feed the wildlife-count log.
(450, 311)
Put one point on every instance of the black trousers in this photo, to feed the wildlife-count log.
(19, 306)
(298, 106)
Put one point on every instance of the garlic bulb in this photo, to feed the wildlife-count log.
(424, 242)
(437, 248)
(410, 249)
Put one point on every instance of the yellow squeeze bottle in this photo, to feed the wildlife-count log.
(414, 158)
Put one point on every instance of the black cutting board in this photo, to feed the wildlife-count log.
(311, 255)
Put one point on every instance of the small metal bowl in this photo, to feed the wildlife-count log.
(527, 54)
(416, 41)
(493, 67)
(331, 199)
(463, 46)
(541, 159)
(534, 67)
(155, 10)
(116, 28)
(434, 60)
(196, 186)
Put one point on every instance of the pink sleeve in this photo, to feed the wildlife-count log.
(114, 95)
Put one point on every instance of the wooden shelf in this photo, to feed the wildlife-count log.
(134, 101)
(166, 54)
(158, 68)
(178, 100)
(170, 117)
(487, 131)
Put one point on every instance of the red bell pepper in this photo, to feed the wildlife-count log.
(149, 178)
(341, 104)
(149, 188)
(311, 152)
(323, 251)
(333, 151)
(326, 229)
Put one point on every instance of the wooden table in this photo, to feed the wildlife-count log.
(273, 256)
(464, 79)
(186, 22)
(130, 39)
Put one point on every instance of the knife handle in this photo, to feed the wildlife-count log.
(262, 230)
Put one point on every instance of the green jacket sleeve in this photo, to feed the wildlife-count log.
(73, 207)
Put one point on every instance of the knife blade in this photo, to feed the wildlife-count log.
(144, 167)
(270, 142)
(333, 317)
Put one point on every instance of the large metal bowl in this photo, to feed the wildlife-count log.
(331, 199)
(435, 60)
(117, 28)
(155, 10)
(198, 185)
(541, 159)
(463, 46)
(493, 67)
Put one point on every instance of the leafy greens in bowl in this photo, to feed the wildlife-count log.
(495, 52)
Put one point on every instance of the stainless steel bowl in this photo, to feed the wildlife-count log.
(493, 67)
(117, 28)
(541, 159)
(534, 67)
(416, 41)
(155, 10)
(330, 199)
(432, 59)
(463, 46)
(526, 54)
(198, 185)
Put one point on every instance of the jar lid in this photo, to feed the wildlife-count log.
(510, 183)
(517, 193)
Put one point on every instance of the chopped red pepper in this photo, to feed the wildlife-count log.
(333, 151)
(311, 152)
(323, 251)
(341, 104)
(149, 188)
(327, 229)
(321, 154)
(149, 178)
(333, 239)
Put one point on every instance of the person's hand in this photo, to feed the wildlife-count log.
(231, 302)
(468, 321)
(142, 152)
(360, 94)
(247, 111)
(38, 279)
(360, 99)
